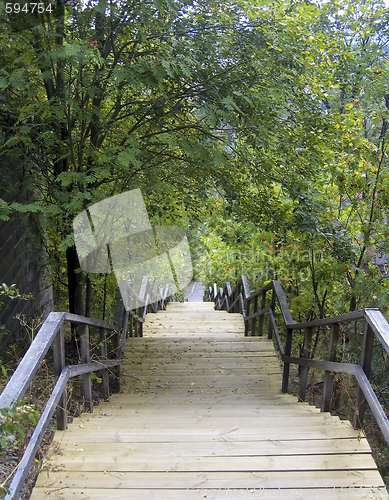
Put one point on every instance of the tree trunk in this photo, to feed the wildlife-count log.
(75, 282)
(88, 297)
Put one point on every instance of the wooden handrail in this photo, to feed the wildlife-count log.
(50, 334)
(376, 327)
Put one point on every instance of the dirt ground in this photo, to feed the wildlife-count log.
(9, 460)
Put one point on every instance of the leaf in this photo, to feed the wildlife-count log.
(5, 210)
(66, 243)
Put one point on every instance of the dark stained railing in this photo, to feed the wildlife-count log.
(51, 333)
(240, 299)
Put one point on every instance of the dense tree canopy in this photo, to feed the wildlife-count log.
(263, 124)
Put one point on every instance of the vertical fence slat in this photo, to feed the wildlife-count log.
(254, 320)
(288, 350)
(366, 356)
(328, 377)
(262, 318)
(116, 370)
(246, 323)
(272, 306)
(59, 365)
(85, 358)
(103, 355)
(305, 369)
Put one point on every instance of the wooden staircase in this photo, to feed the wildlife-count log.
(201, 415)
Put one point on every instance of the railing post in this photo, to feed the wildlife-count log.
(85, 358)
(59, 365)
(272, 307)
(288, 351)
(262, 317)
(103, 355)
(116, 370)
(136, 327)
(220, 297)
(305, 369)
(246, 323)
(328, 377)
(366, 356)
(253, 321)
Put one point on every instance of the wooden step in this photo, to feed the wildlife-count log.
(201, 415)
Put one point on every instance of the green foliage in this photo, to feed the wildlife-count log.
(277, 111)
(95, 378)
(108, 97)
(12, 292)
(13, 424)
(319, 280)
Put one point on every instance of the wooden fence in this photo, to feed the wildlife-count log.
(51, 334)
(240, 299)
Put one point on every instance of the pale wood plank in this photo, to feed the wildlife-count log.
(110, 461)
(352, 493)
(160, 423)
(224, 448)
(284, 479)
(174, 435)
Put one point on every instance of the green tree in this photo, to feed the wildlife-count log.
(313, 171)
(111, 96)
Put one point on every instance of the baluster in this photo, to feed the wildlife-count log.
(366, 356)
(305, 369)
(59, 365)
(328, 377)
(103, 355)
(85, 359)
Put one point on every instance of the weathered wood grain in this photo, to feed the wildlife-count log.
(220, 479)
(217, 493)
